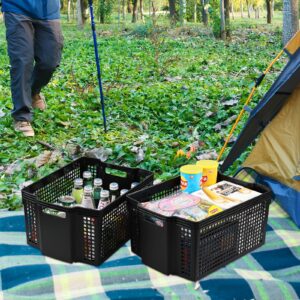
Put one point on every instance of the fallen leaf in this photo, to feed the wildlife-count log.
(73, 149)
(209, 155)
(231, 102)
(209, 114)
(140, 155)
(43, 158)
(55, 156)
(99, 153)
(229, 120)
(218, 127)
(172, 79)
(12, 168)
(65, 124)
(231, 141)
(25, 184)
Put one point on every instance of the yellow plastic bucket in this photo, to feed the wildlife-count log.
(191, 178)
(210, 171)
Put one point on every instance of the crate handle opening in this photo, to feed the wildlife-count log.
(154, 220)
(116, 172)
(54, 213)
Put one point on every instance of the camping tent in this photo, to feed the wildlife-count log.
(276, 118)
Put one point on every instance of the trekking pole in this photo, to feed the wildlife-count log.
(97, 63)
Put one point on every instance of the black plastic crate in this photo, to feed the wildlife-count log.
(195, 249)
(79, 234)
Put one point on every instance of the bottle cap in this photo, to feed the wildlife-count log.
(104, 194)
(134, 184)
(88, 189)
(98, 182)
(78, 181)
(66, 200)
(123, 191)
(114, 186)
(87, 174)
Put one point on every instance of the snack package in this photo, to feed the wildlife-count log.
(168, 205)
(193, 213)
(227, 194)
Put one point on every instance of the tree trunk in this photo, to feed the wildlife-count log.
(290, 19)
(195, 12)
(223, 25)
(73, 9)
(129, 9)
(242, 9)
(119, 13)
(227, 17)
(232, 10)
(172, 8)
(204, 13)
(79, 14)
(182, 11)
(249, 9)
(142, 10)
(134, 11)
(269, 11)
(102, 11)
(123, 10)
(69, 10)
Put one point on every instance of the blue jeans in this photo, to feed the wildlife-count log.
(34, 49)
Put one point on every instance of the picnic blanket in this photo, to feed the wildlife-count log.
(271, 272)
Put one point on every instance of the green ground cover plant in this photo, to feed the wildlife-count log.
(165, 90)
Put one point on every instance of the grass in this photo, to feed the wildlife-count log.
(158, 84)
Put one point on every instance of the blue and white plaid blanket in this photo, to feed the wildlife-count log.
(271, 272)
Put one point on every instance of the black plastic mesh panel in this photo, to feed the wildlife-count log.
(216, 247)
(89, 224)
(59, 187)
(251, 222)
(112, 230)
(31, 222)
(169, 192)
(185, 251)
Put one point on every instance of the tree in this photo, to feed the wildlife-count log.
(129, 9)
(134, 11)
(182, 11)
(290, 19)
(142, 10)
(204, 12)
(269, 11)
(80, 19)
(172, 8)
(222, 25)
(227, 17)
(248, 2)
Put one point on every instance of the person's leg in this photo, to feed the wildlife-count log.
(20, 36)
(48, 44)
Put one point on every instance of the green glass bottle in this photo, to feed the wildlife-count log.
(97, 190)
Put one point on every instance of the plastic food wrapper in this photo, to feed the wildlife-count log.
(226, 194)
(182, 205)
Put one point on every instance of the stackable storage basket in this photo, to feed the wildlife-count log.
(194, 249)
(78, 234)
